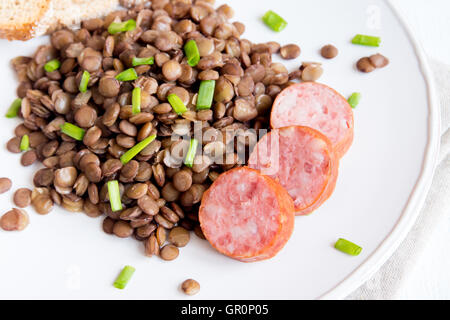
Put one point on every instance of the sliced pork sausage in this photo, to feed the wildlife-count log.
(302, 160)
(247, 216)
(317, 106)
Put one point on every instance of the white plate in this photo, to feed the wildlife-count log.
(382, 183)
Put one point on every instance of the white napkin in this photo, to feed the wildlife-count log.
(396, 272)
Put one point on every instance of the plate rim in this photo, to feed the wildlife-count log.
(390, 244)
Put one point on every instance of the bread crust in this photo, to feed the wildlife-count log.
(29, 30)
(55, 14)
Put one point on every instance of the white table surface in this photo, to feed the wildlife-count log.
(430, 278)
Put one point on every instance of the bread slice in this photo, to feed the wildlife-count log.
(132, 3)
(24, 19)
(72, 12)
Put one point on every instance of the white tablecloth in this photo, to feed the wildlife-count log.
(420, 267)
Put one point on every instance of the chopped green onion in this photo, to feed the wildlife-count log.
(176, 103)
(366, 40)
(354, 99)
(52, 65)
(73, 131)
(117, 27)
(274, 21)
(189, 161)
(124, 277)
(206, 94)
(192, 53)
(13, 110)
(84, 81)
(143, 61)
(114, 195)
(127, 75)
(133, 152)
(25, 143)
(136, 100)
(348, 247)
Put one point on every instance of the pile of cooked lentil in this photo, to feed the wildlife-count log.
(85, 80)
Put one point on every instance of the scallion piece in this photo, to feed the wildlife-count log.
(136, 100)
(25, 143)
(274, 21)
(348, 247)
(192, 53)
(13, 110)
(84, 81)
(114, 195)
(133, 152)
(127, 75)
(206, 94)
(52, 65)
(124, 277)
(366, 40)
(73, 131)
(189, 161)
(176, 103)
(143, 61)
(117, 27)
(354, 99)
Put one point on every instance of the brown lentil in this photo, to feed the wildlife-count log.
(28, 158)
(14, 220)
(85, 116)
(190, 287)
(179, 237)
(161, 235)
(171, 70)
(312, 72)
(365, 65)
(137, 191)
(13, 145)
(169, 252)
(163, 221)
(199, 232)
(108, 225)
(22, 197)
(145, 231)
(5, 185)
(122, 229)
(169, 214)
(148, 205)
(170, 193)
(130, 213)
(152, 247)
(290, 51)
(91, 209)
(182, 180)
(329, 51)
(43, 204)
(109, 87)
(378, 60)
(43, 177)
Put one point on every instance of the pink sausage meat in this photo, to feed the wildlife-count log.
(302, 160)
(247, 216)
(317, 106)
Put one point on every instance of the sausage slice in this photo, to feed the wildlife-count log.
(247, 216)
(315, 105)
(302, 160)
